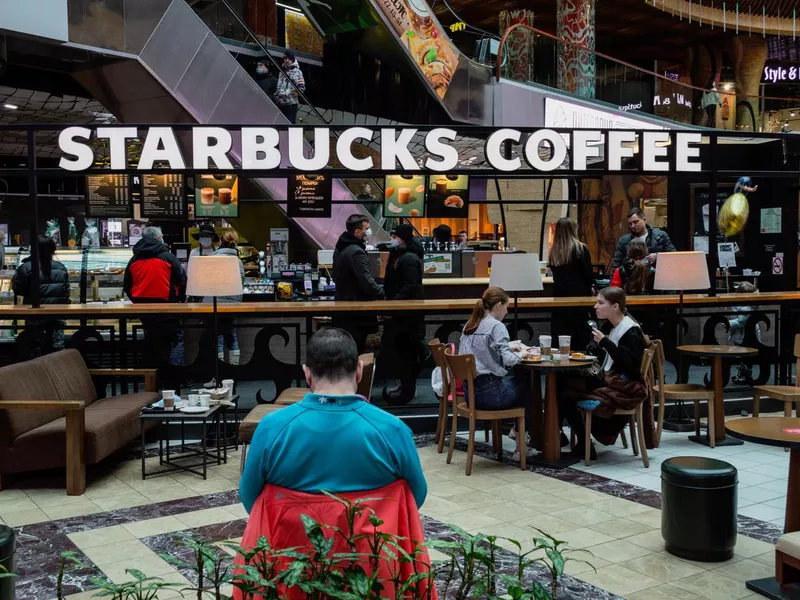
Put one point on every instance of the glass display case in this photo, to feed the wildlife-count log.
(95, 274)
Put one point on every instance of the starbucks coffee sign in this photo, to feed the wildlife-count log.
(268, 148)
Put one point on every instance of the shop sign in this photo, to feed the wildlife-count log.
(262, 149)
(780, 73)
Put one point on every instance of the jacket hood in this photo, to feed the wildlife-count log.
(149, 247)
(348, 239)
(226, 252)
(415, 247)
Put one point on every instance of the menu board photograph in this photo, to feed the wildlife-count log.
(216, 196)
(108, 196)
(448, 196)
(309, 196)
(404, 196)
(163, 196)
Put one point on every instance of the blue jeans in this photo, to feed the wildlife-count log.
(500, 393)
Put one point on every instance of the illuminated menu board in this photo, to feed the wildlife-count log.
(108, 196)
(163, 197)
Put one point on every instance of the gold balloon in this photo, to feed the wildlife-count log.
(733, 214)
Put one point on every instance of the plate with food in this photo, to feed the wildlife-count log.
(581, 357)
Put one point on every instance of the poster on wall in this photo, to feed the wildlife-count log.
(448, 196)
(216, 196)
(423, 38)
(438, 264)
(771, 220)
(309, 196)
(404, 196)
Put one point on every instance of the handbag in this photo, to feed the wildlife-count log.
(437, 382)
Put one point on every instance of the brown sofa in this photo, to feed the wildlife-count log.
(50, 416)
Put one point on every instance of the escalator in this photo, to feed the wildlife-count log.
(174, 69)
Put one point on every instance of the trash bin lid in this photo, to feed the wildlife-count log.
(698, 471)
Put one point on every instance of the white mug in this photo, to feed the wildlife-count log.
(545, 341)
(194, 400)
(204, 400)
(228, 383)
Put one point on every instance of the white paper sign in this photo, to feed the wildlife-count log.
(771, 220)
(701, 243)
(727, 255)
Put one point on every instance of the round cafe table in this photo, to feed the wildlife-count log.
(551, 444)
(717, 354)
(784, 432)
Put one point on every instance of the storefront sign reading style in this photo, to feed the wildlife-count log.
(780, 73)
(543, 150)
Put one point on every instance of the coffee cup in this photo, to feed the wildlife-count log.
(225, 196)
(564, 342)
(168, 397)
(545, 341)
(194, 400)
(404, 195)
(228, 383)
(441, 186)
(204, 400)
(207, 195)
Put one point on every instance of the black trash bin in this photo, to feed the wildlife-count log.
(698, 508)
(7, 560)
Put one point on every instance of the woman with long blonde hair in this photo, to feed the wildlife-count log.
(487, 339)
(571, 265)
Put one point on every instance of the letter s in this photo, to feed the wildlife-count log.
(84, 155)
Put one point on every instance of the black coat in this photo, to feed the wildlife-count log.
(627, 354)
(53, 288)
(403, 279)
(351, 271)
(574, 278)
(656, 241)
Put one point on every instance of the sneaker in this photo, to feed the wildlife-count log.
(513, 435)
(530, 453)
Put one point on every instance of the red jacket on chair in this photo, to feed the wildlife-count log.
(276, 516)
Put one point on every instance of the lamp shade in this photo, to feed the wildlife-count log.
(214, 276)
(516, 272)
(682, 271)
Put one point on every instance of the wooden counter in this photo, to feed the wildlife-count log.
(123, 310)
(483, 281)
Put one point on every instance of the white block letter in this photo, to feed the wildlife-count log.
(532, 150)
(654, 146)
(202, 150)
(396, 149)
(616, 151)
(581, 150)
(260, 148)
(161, 145)
(447, 154)
(117, 149)
(683, 152)
(83, 153)
(344, 150)
(322, 150)
(493, 154)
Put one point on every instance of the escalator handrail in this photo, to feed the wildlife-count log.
(540, 32)
(275, 63)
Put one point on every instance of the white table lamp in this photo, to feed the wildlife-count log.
(681, 271)
(214, 276)
(516, 273)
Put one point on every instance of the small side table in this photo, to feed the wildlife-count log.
(213, 416)
(716, 354)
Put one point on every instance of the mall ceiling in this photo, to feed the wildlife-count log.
(629, 30)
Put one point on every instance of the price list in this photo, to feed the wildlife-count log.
(108, 196)
(163, 197)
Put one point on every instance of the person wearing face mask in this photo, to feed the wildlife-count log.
(267, 78)
(207, 238)
(290, 84)
(402, 335)
(354, 281)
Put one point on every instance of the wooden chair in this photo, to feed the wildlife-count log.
(462, 367)
(687, 392)
(788, 394)
(635, 416)
(296, 394)
(437, 351)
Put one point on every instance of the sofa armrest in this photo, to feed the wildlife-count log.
(69, 405)
(75, 428)
(149, 375)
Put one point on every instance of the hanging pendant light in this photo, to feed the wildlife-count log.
(724, 23)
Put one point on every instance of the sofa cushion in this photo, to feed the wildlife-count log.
(248, 425)
(789, 543)
(111, 423)
(70, 376)
(25, 381)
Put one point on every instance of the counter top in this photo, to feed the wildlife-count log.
(120, 309)
(469, 281)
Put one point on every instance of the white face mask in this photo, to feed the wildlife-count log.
(205, 242)
(368, 232)
(261, 70)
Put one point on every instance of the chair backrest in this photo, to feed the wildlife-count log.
(437, 351)
(658, 364)
(462, 367)
(646, 369)
(367, 375)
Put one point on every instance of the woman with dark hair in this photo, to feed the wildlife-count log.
(634, 274)
(571, 265)
(48, 334)
(618, 385)
(486, 338)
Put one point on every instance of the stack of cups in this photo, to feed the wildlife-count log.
(545, 341)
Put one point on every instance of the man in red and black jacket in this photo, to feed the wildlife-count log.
(154, 274)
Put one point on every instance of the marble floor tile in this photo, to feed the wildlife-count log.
(208, 516)
(583, 515)
(125, 501)
(746, 569)
(651, 518)
(768, 558)
(16, 504)
(474, 499)
(513, 492)
(620, 528)
(150, 564)
(664, 592)
(471, 519)
(76, 509)
(237, 510)
(579, 563)
(618, 551)
(747, 547)
(447, 489)
(763, 512)
(101, 537)
(118, 551)
(508, 512)
(662, 566)
(584, 538)
(776, 485)
(546, 503)
(651, 540)
(619, 506)
(156, 526)
(619, 580)
(549, 524)
(712, 586)
(480, 482)
(19, 518)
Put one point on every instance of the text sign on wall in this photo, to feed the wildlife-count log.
(780, 73)
(262, 149)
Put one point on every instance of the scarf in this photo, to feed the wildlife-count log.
(615, 336)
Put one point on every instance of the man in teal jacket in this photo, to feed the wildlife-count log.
(333, 439)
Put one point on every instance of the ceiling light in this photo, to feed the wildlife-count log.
(11, 106)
